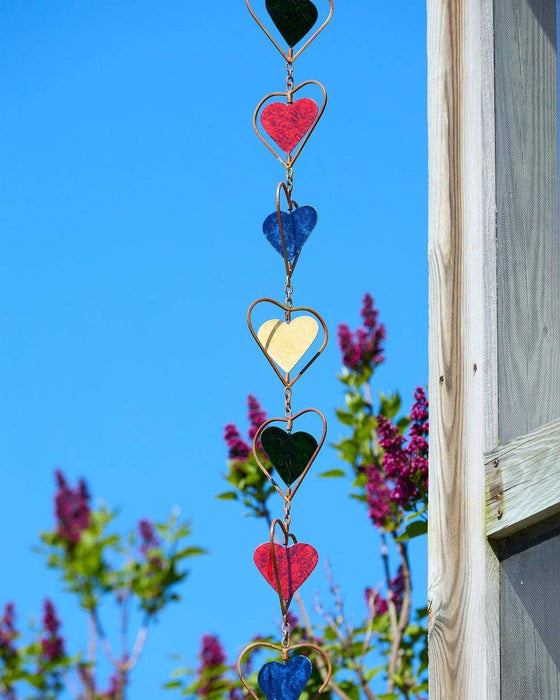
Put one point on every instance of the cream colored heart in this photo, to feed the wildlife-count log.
(287, 343)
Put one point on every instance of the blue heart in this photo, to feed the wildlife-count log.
(285, 681)
(297, 226)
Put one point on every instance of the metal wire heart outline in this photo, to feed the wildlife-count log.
(290, 57)
(284, 651)
(290, 266)
(284, 604)
(290, 161)
(288, 311)
(290, 493)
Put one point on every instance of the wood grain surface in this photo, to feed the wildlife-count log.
(463, 571)
(527, 197)
(530, 592)
(523, 481)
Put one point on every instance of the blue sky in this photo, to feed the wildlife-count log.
(133, 193)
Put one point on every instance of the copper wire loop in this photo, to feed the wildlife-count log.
(290, 492)
(290, 57)
(287, 264)
(290, 160)
(284, 603)
(284, 651)
(286, 379)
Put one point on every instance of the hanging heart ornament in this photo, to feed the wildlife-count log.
(297, 226)
(285, 343)
(288, 451)
(294, 564)
(289, 124)
(294, 19)
(285, 680)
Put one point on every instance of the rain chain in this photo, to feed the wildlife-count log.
(291, 344)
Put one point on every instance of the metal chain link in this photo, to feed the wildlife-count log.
(286, 631)
(287, 515)
(290, 186)
(290, 82)
(288, 405)
(289, 291)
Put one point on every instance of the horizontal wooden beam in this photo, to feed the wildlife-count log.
(523, 481)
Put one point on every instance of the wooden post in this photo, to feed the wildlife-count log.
(463, 572)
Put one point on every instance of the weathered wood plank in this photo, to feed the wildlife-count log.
(531, 618)
(463, 588)
(527, 196)
(523, 481)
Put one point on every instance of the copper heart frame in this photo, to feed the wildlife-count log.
(290, 493)
(284, 604)
(326, 666)
(290, 267)
(290, 57)
(286, 379)
(290, 161)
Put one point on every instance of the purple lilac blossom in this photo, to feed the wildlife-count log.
(72, 509)
(256, 415)
(149, 542)
(116, 686)
(375, 601)
(8, 632)
(238, 448)
(52, 643)
(378, 496)
(397, 589)
(363, 348)
(402, 478)
(212, 656)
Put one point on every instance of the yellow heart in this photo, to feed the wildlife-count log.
(287, 343)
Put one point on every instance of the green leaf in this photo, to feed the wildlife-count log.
(360, 481)
(344, 417)
(333, 473)
(190, 552)
(390, 405)
(412, 516)
(415, 529)
(362, 498)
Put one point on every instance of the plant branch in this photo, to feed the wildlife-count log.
(403, 619)
(100, 632)
(138, 647)
(336, 689)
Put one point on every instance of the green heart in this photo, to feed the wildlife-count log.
(293, 18)
(290, 453)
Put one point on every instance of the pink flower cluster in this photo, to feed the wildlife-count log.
(238, 449)
(52, 643)
(149, 541)
(363, 348)
(212, 655)
(8, 632)
(72, 509)
(402, 479)
(397, 589)
(116, 686)
(378, 604)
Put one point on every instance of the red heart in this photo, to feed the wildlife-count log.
(287, 124)
(295, 565)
